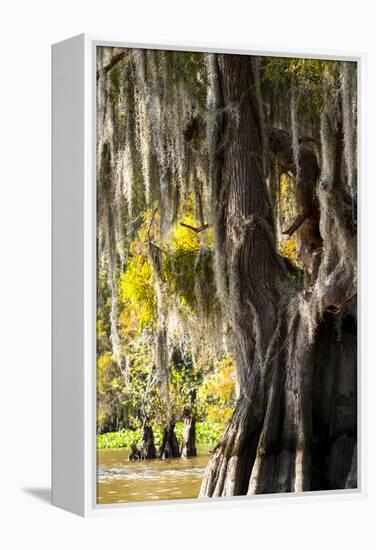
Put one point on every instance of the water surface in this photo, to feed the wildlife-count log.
(121, 480)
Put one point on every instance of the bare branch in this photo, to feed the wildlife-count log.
(151, 223)
(195, 229)
(297, 223)
(114, 61)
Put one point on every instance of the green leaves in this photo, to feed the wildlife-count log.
(280, 75)
(207, 433)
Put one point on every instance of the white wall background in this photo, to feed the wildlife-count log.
(27, 28)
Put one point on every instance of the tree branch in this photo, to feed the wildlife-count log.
(196, 229)
(297, 223)
(116, 59)
(151, 223)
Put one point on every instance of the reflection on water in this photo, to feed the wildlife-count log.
(119, 480)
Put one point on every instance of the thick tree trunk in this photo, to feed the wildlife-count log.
(250, 271)
(147, 443)
(294, 425)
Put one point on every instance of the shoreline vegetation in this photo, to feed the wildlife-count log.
(207, 433)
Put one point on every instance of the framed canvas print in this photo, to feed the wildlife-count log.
(205, 275)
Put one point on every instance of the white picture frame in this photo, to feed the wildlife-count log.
(74, 277)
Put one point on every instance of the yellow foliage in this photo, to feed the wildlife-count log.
(137, 291)
(103, 366)
(287, 204)
(221, 382)
(288, 249)
(216, 413)
(184, 238)
(287, 199)
(217, 393)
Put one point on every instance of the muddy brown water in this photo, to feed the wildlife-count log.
(121, 480)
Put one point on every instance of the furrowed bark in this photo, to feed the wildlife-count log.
(251, 269)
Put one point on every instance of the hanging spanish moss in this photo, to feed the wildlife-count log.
(349, 110)
(295, 131)
(335, 195)
(214, 123)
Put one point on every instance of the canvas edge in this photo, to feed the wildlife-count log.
(67, 202)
